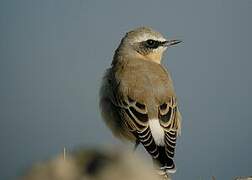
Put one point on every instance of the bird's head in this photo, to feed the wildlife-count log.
(144, 43)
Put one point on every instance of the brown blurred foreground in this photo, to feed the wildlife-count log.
(244, 178)
(94, 165)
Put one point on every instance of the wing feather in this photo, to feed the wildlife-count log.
(135, 115)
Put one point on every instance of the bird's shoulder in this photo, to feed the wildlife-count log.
(141, 71)
(140, 79)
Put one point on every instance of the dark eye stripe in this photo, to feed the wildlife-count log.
(152, 44)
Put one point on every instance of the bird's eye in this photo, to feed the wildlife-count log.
(150, 43)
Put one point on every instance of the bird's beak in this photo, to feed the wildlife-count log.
(171, 42)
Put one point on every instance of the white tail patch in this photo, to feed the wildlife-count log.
(156, 131)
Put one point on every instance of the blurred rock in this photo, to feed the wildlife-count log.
(244, 178)
(94, 165)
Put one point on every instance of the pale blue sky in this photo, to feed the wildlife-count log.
(53, 54)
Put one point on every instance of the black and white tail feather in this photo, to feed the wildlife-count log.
(158, 136)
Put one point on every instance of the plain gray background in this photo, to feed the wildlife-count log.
(53, 54)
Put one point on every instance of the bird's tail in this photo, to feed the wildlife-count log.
(162, 155)
(165, 162)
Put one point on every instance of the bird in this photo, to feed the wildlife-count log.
(137, 97)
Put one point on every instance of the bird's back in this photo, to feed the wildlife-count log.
(145, 81)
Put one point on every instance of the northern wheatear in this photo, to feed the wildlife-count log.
(137, 97)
